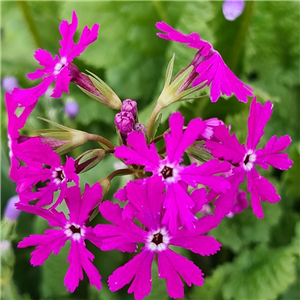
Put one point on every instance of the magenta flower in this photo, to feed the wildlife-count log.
(43, 165)
(246, 157)
(16, 120)
(57, 69)
(174, 175)
(209, 65)
(148, 199)
(74, 229)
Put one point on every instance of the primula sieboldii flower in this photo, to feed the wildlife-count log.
(246, 157)
(16, 120)
(43, 165)
(148, 199)
(73, 229)
(57, 69)
(174, 175)
(209, 65)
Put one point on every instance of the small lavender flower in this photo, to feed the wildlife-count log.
(129, 106)
(124, 122)
(11, 212)
(9, 83)
(233, 9)
(72, 109)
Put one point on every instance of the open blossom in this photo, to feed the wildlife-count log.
(244, 158)
(73, 229)
(156, 238)
(57, 69)
(43, 165)
(209, 66)
(175, 176)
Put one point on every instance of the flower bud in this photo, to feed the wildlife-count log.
(124, 122)
(71, 109)
(61, 140)
(178, 88)
(88, 160)
(105, 184)
(233, 9)
(129, 106)
(139, 127)
(11, 213)
(95, 88)
(9, 83)
(240, 203)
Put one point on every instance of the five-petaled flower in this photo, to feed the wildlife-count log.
(175, 176)
(148, 199)
(209, 66)
(74, 229)
(244, 158)
(56, 69)
(43, 165)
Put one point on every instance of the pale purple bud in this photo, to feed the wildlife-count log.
(240, 203)
(9, 83)
(139, 127)
(233, 9)
(206, 209)
(124, 122)
(5, 246)
(72, 109)
(10, 212)
(129, 106)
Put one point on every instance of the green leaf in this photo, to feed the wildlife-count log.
(159, 288)
(54, 270)
(213, 285)
(261, 273)
(291, 178)
(245, 228)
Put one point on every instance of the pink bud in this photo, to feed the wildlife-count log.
(124, 122)
(129, 106)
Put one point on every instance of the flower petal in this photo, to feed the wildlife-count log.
(138, 268)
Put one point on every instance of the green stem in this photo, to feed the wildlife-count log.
(242, 33)
(101, 140)
(120, 172)
(30, 23)
(152, 119)
(160, 11)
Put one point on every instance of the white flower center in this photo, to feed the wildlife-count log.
(249, 160)
(158, 240)
(74, 231)
(169, 172)
(58, 67)
(58, 176)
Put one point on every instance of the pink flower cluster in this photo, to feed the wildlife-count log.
(168, 204)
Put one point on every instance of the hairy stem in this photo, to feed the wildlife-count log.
(152, 119)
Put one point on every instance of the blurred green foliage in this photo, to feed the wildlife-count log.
(259, 257)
